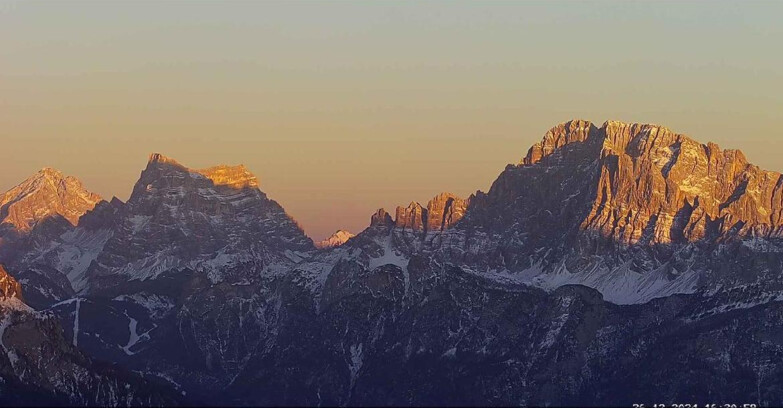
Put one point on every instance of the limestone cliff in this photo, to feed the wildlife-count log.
(658, 186)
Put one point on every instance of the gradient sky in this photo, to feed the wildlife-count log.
(344, 107)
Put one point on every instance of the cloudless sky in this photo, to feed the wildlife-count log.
(344, 107)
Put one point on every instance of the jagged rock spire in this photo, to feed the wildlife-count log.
(441, 212)
(160, 166)
(444, 210)
(381, 219)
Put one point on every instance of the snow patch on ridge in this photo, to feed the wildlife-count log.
(392, 257)
(618, 285)
(73, 253)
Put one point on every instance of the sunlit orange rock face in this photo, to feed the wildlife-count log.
(412, 217)
(237, 177)
(444, 210)
(232, 176)
(441, 212)
(45, 195)
(9, 287)
(557, 137)
(657, 186)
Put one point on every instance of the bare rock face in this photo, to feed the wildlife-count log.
(33, 215)
(441, 212)
(9, 287)
(237, 177)
(413, 217)
(636, 211)
(675, 188)
(657, 186)
(573, 131)
(45, 195)
(444, 210)
(169, 171)
(205, 220)
(381, 219)
(338, 238)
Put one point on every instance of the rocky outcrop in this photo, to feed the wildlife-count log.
(338, 238)
(178, 218)
(412, 218)
(444, 210)
(46, 195)
(574, 131)
(656, 186)
(33, 215)
(636, 211)
(381, 219)
(441, 212)
(237, 177)
(9, 287)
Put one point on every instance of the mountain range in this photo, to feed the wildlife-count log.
(612, 265)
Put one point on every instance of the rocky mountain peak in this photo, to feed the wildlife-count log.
(205, 220)
(444, 210)
(338, 238)
(652, 184)
(576, 130)
(639, 138)
(45, 175)
(170, 189)
(160, 158)
(164, 174)
(412, 217)
(441, 212)
(614, 135)
(46, 194)
(381, 219)
(51, 173)
(163, 167)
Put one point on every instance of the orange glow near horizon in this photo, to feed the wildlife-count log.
(343, 108)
